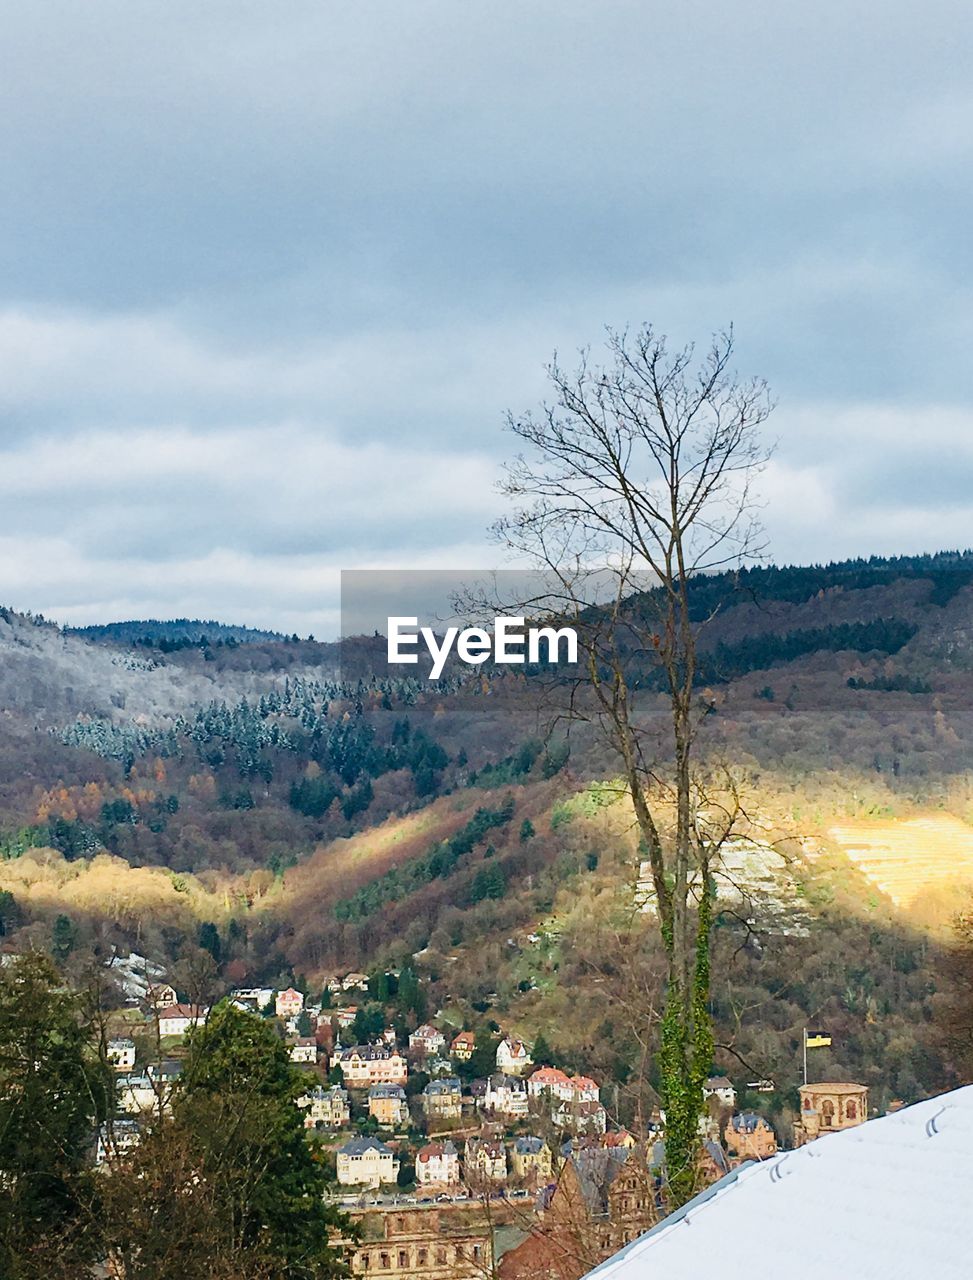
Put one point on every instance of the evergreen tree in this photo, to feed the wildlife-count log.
(53, 1090)
(542, 1053)
(64, 936)
(209, 939)
(236, 1100)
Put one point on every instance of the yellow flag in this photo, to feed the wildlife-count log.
(817, 1041)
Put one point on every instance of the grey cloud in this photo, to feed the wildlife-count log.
(371, 224)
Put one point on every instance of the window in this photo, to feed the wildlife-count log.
(403, 1259)
(441, 1257)
(421, 1257)
(851, 1111)
(384, 1261)
(827, 1112)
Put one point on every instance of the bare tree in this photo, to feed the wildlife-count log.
(639, 475)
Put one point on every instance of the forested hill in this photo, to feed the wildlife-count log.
(175, 633)
(174, 746)
(174, 788)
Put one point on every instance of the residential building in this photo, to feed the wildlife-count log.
(366, 1162)
(749, 1137)
(585, 1089)
(589, 1141)
(437, 1165)
(581, 1117)
(176, 1019)
(506, 1095)
(289, 1003)
(484, 1162)
(426, 1040)
(462, 1046)
(828, 1107)
(136, 1094)
(255, 999)
(346, 1016)
(121, 1054)
(388, 1104)
(713, 1163)
(558, 1086)
(116, 1138)
(604, 1198)
(720, 1088)
(443, 1099)
(303, 1050)
(355, 982)
(513, 1057)
(550, 1081)
(161, 995)
(424, 1244)
(530, 1162)
(366, 1064)
(327, 1108)
(164, 1077)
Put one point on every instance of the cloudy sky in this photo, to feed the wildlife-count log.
(271, 274)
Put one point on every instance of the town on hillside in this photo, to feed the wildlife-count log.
(457, 1151)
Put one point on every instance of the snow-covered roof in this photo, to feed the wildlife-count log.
(886, 1200)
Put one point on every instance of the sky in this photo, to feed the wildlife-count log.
(271, 275)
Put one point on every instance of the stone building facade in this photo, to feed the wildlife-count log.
(424, 1244)
(749, 1137)
(829, 1107)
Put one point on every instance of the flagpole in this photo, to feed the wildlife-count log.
(805, 1054)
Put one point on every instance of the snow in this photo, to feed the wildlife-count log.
(889, 1199)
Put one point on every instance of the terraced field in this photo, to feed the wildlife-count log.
(909, 858)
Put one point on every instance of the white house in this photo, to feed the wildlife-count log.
(437, 1165)
(121, 1054)
(366, 1162)
(513, 1057)
(506, 1095)
(722, 1090)
(560, 1087)
(304, 1050)
(426, 1040)
(585, 1089)
(176, 1019)
(552, 1081)
(254, 999)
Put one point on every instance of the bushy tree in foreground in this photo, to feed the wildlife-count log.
(228, 1186)
(53, 1092)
